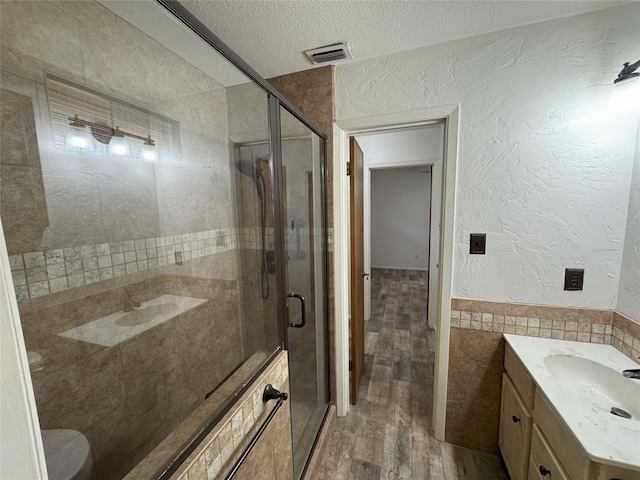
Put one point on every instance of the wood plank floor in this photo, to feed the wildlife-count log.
(388, 434)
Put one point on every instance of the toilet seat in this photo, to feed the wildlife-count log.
(68, 455)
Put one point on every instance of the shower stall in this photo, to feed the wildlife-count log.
(164, 211)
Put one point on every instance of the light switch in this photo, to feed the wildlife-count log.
(477, 243)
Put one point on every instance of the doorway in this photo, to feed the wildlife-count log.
(448, 116)
(395, 197)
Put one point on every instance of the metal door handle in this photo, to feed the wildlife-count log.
(366, 276)
(301, 298)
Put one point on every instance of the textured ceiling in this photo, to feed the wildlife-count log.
(272, 35)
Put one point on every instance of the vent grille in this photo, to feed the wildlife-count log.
(329, 56)
(329, 53)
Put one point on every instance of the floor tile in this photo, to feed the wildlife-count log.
(389, 433)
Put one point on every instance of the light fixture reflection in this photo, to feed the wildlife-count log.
(148, 152)
(118, 146)
(78, 138)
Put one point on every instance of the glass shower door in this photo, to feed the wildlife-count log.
(303, 217)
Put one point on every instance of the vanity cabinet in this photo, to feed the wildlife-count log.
(543, 464)
(515, 430)
(534, 441)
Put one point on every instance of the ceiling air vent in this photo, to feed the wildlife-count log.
(329, 53)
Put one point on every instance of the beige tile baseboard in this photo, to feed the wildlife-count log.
(564, 323)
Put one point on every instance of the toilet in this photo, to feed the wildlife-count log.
(68, 455)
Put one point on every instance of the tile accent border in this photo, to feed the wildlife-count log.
(626, 336)
(36, 274)
(583, 325)
(41, 273)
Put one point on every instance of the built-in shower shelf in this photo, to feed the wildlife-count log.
(120, 326)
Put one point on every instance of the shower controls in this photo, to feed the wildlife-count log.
(477, 243)
(573, 278)
(270, 261)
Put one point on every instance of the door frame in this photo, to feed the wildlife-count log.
(342, 129)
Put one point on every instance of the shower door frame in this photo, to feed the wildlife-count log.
(275, 101)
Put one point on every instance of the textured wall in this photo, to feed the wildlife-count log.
(542, 168)
(629, 290)
(400, 211)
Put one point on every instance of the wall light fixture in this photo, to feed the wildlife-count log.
(625, 97)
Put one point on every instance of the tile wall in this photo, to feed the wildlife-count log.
(270, 458)
(44, 272)
(577, 324)
(313, 93)
(476, 356)
(128, 397)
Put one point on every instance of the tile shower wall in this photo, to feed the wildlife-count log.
(127, 397)
(313, 93)
(114, 200)
(84, 231)
(50, 271)
(476, 356)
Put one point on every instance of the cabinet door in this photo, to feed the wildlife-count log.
(543, 464)
(515, 431)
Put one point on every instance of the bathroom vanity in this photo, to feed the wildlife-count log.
(555, 414)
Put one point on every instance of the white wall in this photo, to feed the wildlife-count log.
(21, 452)
(629, 290)
(543, 170)
(400, 209)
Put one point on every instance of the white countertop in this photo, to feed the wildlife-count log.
(605, 438)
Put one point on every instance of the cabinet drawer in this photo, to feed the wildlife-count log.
(561, 441)
(520, 378)
(543, 464)
(515, 430)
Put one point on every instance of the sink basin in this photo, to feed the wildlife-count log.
(144, 314)
(121, 326)
(605, 386)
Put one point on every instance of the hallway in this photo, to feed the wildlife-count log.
(387, 435)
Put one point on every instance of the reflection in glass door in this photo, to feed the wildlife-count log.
(302, 152)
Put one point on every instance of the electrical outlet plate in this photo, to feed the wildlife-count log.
(477, 243)
(573, 278)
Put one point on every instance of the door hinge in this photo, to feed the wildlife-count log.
(350, 366)
(349, 168)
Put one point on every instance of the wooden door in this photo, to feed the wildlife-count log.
(357, 266)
